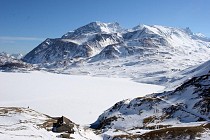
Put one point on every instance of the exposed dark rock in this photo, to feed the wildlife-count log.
(63, 125)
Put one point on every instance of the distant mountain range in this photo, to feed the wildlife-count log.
(146, 53)
(13, 62)
(98, 41)
(106, 49)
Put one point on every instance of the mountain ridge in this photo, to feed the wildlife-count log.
(105, 49)
(94, 32)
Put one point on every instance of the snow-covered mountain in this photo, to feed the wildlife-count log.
(94, 28)
(146, 53)
(17, 56)
(84, 42)
(13, 62)
(5, 57)
(94, 37)
(183, 113)
(153, 51)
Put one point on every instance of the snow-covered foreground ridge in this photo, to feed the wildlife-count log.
(179, 114)
(182, 113)
(80, 98)
(27, 124)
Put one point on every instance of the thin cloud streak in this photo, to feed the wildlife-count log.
(15, 38)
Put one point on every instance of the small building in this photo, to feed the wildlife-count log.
(63, 125)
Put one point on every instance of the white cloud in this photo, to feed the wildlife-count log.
(15, 38)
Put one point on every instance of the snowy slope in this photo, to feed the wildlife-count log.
(186, 106)
(146, 53)
(26, 124)
(17, 123)
(178, 78)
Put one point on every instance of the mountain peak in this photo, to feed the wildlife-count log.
(138, 27)
(188, 31)
(99, 24)
(101, 27)
(93, 28)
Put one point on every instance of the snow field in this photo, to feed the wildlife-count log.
(80, 98)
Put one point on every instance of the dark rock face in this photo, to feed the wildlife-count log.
(63, 125)
(54, 50)
(78, 44)
(13, 66)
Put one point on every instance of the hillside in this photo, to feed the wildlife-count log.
(187, 108)
(23, 123)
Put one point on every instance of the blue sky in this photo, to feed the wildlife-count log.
(26, 23)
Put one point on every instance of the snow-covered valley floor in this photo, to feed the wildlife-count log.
(80, 98)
